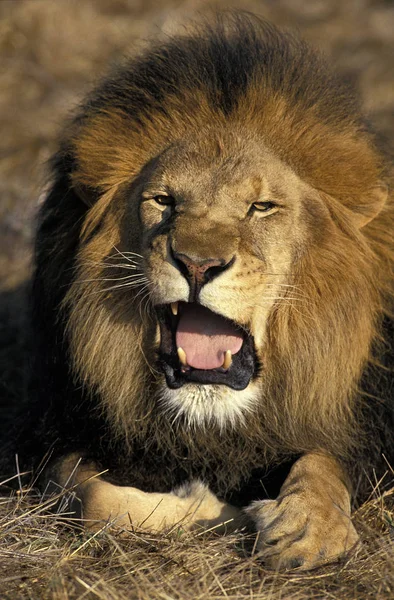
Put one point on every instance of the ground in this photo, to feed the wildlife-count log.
(51, 51)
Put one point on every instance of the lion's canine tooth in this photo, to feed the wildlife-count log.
(174, 308)
(182, 356)
(227, 360)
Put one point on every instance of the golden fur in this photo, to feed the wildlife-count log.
(257, 117)
(342, 279)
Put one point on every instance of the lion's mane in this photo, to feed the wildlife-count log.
(93, 383)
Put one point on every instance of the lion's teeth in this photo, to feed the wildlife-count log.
(174, 309)
(182, 356)
(227, 360)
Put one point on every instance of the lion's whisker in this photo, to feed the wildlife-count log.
(268, 302)
(289, 286)
(147, 283)
(128, 259)
(128, 285)
(114, 258)
(145, 298)
(106, 265)
(128, 252)
(126, 277)
(295, 295)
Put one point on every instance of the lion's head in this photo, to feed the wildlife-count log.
(230, 268)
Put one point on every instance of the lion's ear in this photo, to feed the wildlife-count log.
(376, 200)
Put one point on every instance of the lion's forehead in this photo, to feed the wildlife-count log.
(206, 176)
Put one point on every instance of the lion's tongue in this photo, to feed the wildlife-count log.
(205, 337)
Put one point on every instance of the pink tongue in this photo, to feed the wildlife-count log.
(205, 337)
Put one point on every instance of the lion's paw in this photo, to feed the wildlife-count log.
(297, 531)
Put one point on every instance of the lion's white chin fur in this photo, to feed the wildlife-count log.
(203, 405)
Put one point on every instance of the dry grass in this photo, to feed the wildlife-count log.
(46, 556)
(51, 51)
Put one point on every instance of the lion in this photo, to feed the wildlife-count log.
(212, 296)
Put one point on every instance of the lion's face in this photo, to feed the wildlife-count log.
(229, 243)
(224, 224)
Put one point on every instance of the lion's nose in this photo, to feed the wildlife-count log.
(199, 271)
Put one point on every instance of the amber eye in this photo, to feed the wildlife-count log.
(265, 207)
(164, 200)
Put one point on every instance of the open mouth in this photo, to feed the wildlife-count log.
(200, 346)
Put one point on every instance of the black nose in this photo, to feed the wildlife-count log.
(199, 272)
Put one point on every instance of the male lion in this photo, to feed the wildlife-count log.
(211, 298)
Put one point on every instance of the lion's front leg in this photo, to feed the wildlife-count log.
(192, 505)
(309, 523)
(189, 506)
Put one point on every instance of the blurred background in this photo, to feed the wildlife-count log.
(51, 51)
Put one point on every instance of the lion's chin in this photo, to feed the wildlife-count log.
(200, 406)
(234, 370)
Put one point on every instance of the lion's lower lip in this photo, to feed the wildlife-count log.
(237, 375)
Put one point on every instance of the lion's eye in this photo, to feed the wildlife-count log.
(265, 207)
(164, 200)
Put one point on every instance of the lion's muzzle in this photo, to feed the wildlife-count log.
(199, 272)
